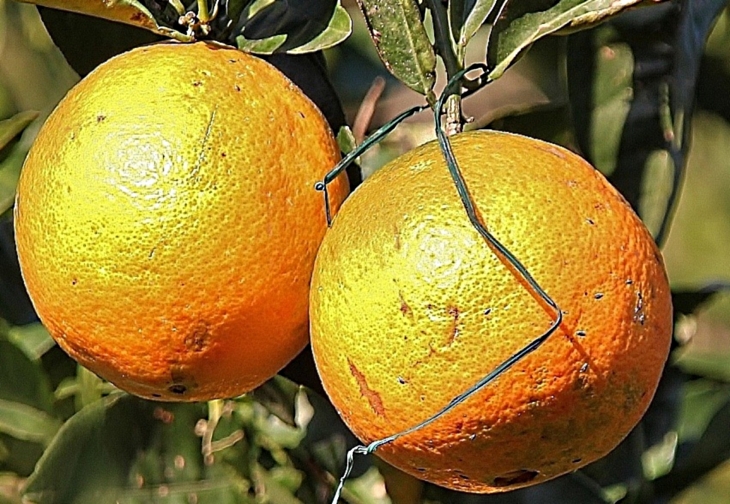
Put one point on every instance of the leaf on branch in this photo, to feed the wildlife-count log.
(467, 17)
(402, 42)
(11, 128)
(711, 450)
(686, 302)
(33, 339)
(634, 117)
(21, 379)
(279, 396)
(282, 26)
(152, 15)
(27, 423)
(124, 449)
(522, 23)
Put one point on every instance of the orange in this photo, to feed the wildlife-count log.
(409, 307)
(167, 221)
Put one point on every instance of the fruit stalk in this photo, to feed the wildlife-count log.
(443, 42)
(203, 11)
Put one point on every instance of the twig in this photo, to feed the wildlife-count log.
(367, 108)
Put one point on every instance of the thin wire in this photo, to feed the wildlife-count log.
(502, 251)
(384, 130)
(358, 151)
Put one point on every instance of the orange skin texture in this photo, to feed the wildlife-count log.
(410, 307)
(167, 221)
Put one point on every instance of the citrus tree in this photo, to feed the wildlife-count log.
(487, 312)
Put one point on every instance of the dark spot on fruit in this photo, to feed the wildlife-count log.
(454, 312)
(580, 333)
(598, 295)
(237, 87)
(590, 221)
(376, 403)
(639, 315)
(420, 469)
(223, 154)
(198, 338)
(100, 118)
(515, 477)
(197, 83)
(178, 389)
(487, 311)
(181, 379)
(577, 460)
(156, 395)
(401, 380)
(301, 114)
(74, 281)
(629, 281)
(405, 308)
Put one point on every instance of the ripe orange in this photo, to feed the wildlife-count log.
(410, 307)
(167, 223)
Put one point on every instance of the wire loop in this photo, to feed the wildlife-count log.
(495, 245)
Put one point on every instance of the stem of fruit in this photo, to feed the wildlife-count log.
(453, 61)
(203, 11)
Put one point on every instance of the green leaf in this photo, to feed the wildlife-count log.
(711, 450)
(132, 12)
(346, 139)
(280, 483)
(634, 114)
(686, 302)
(279, 397)
(268, 45)
(33, 339)
(10, 156)
(402, 42)
(11, 128)
(92, 452)
(27, 423)
(710, 365)
(338, 29)
(610, 85)
(128, 450)
(272, 26)
(467, 17)
(86, 42)
(522, 23)
(22, 380)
